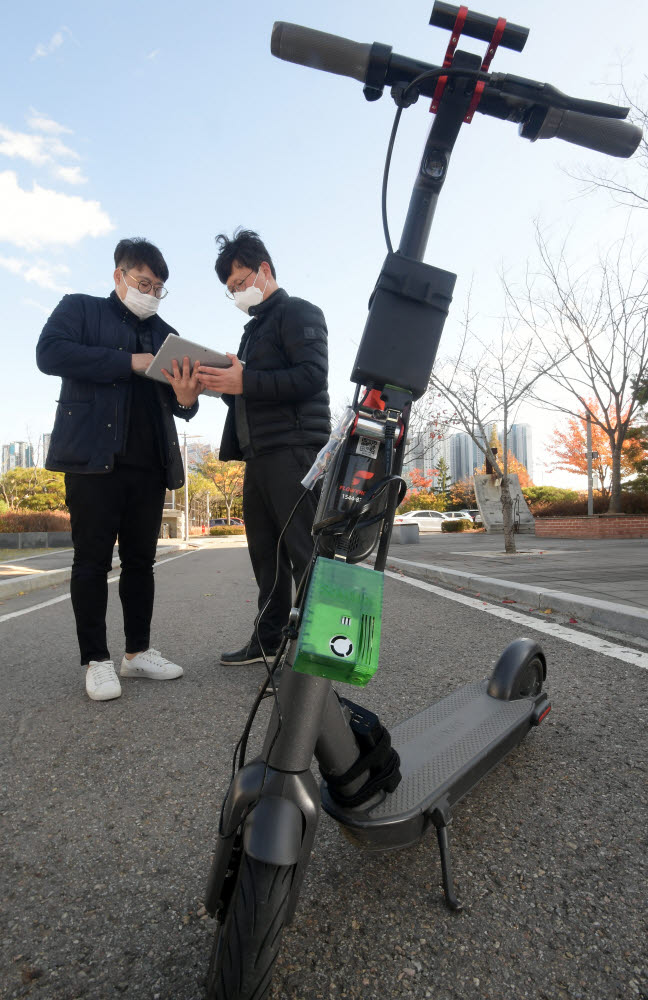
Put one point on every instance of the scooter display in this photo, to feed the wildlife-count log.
(385, 789)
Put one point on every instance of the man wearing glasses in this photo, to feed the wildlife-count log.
(278, 420)
(115, 439)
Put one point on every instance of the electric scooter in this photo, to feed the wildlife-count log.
(386, 790)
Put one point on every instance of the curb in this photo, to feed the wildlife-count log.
(19, 585)
(622, 617)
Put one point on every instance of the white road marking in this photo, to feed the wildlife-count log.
(593, 642)
(66, 597)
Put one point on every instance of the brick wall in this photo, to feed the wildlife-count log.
(597, 526)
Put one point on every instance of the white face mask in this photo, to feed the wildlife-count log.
(140, 305)
(251, 296)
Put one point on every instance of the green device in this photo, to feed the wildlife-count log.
(339, 636)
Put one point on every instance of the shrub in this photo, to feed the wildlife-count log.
(45, 520)
(227, 529)
(539, 495)
(456, 525)
(631, 503)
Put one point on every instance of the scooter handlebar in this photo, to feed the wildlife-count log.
(606, 135)
(525, 101)
(319, 50)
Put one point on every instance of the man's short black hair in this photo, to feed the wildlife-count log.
(137, 252)
(245, 248)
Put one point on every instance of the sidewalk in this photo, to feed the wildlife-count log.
(602, 581)
(29, 572)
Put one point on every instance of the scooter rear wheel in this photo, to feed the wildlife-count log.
(247, 942)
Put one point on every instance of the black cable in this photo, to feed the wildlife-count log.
(390, 148)
(241, 746)
(403, 102)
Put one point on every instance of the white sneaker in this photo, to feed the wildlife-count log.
(102, 683)
(150, 664)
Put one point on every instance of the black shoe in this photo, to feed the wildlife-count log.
(251, 653)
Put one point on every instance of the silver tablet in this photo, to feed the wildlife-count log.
(176, 348)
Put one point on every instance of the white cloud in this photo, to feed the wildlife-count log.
(42, 217)
(154, 54)
(36, 149)
(46, 48)
(71, 175)
(43, 123)
(40, 272)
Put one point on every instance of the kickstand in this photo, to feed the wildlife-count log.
(441, 825)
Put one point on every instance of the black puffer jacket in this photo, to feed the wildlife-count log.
(284, 347)
(88, 342)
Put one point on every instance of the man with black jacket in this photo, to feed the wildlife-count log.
(115, 439)
(278, 420)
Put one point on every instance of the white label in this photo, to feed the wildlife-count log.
(367, 446)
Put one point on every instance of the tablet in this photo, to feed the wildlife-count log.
(176, 348)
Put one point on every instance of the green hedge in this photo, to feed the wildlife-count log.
(460, 524)
(227, 529)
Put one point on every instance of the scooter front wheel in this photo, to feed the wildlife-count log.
(247, 942)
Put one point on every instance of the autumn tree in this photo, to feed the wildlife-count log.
(227, 478)
(568, 449)
(421, 495)
(462, 494)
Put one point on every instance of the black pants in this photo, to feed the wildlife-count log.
(128, 503)
(271, 488)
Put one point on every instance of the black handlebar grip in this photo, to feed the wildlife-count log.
(612, 136)
(319, 50)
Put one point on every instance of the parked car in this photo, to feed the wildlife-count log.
(427, 520)
(215, 521)
(459, 515)
(476, 516)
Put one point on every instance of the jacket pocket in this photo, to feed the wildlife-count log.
(72, 433)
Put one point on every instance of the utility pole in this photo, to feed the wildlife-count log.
(186, 438)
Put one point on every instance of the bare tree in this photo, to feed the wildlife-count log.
(593, 324)
(485, 383)
(629, 185)
(429, 422)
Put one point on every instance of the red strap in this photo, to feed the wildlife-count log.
(373, 401)
(492, 49)
(449, 56)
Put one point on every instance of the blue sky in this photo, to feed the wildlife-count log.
(177, 124)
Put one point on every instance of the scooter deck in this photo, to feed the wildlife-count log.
(444, 751)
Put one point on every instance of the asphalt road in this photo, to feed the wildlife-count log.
(109, 814)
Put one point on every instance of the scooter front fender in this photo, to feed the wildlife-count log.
(274, 831)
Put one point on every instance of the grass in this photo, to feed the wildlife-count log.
(10, 555)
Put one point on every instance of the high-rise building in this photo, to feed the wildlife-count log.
(44, 448)
(520, 441)
(17, 455)
(461, 453)
(465, 457)
(424, 451)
